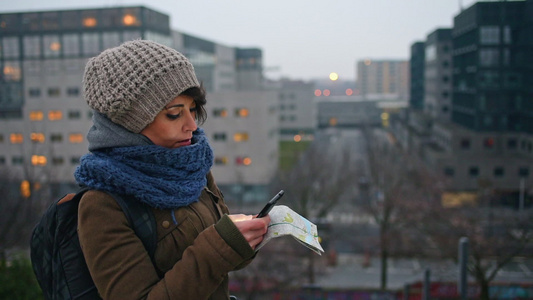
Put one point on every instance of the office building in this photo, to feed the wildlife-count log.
(486, 141)
(44, 118)
(416, 74)
(383, 77)
(437, 75)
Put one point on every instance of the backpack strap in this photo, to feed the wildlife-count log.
(142, 220)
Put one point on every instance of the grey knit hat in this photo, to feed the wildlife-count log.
(130, 84)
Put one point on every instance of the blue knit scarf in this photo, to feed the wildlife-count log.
(161, 177)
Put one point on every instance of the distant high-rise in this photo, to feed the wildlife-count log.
(383, 77)
(493, 69)
(438, 74)
(416, 65)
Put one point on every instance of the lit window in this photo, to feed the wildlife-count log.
(16, 138)
(89, 22)
(242, 112)
(25, 190)
(129, 20)
(220, 112)
(75, 138)
(38, 160)
(55, 115)
(37, 137)
(222, 160)
(240, 137)
(243, 161)
(36, 115)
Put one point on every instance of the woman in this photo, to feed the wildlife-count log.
(145, 145)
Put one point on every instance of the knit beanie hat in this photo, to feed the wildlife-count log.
(130, 84)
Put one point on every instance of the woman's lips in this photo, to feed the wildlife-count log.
(186, 142)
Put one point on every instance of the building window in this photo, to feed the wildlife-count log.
(498, 172)
(11, 47)
(512, 144)
(243, 161)
(51, 45)
(34, 92)
(523, 172)
(56, 137)
(38, 160)
(91, 43)
(36, 115)
(220, 136)
(73, 91)
(488, 143)
(489, 35)
(17, 160)
(37, 137)
(55, 115)
(75, 138)
(74, 160)
(449, 171)
(12, 71)
(32, 46)
(220, 112)
(489, 57)
(110, 39)
(56, 161)
(2, 160)
(74, 115)
(465, 144)
(241, 112)
(71, 44)
(16, 138)
(221, 160)
(54, 92)
(473, 171)
(240, 137)
(1, 138)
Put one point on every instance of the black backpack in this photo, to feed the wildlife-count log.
(56, 255)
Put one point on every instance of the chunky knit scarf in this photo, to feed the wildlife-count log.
(160, 177)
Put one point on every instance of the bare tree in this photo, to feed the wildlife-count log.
(496, 234)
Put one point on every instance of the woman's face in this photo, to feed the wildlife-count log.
(174, 125)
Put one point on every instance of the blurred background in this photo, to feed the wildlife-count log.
(397, 127)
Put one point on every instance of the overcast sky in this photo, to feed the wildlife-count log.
(300, 39)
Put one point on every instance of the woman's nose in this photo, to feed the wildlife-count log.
(190, 122)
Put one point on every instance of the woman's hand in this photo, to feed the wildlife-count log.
(253, 229)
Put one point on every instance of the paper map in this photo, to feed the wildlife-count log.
(284, 221)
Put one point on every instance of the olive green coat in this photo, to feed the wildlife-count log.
(192, 258)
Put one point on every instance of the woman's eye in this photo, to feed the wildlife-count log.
(173, 117)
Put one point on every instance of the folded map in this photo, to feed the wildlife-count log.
(285, 221)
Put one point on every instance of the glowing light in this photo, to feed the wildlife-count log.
(129, 20)
(327, 92)
(297, 138)
(38, 160)
(385, 116)
(333, 122)
(318, 93)
(333, 76)
(55, 46)
(349, 92)
(247, 161)
(368, 62)
(89, 22)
